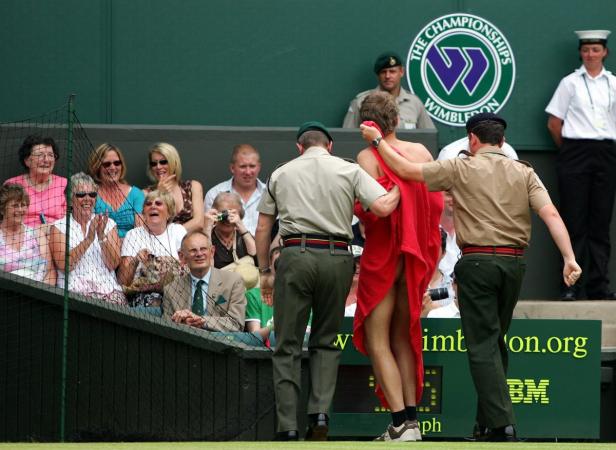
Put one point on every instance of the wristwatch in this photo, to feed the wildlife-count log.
(377, 141)
(265, 270)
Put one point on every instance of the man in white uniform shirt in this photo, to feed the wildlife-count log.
(582, 122)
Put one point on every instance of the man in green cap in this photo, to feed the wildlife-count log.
(313, 196)
(389, 72)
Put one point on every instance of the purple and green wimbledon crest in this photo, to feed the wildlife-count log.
(460, 65)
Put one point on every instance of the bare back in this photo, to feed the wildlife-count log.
(412, 151)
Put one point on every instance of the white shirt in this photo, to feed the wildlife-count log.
(251, 215)
(586, 105)
(204, 288)
(452, 150)
(452, 254)
(90, 274)
(449, 311)
(166, 244)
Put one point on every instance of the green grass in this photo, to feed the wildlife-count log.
(336, 445)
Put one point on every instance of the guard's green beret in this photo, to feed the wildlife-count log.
(385, 60)
(313, 125)
(483, 117)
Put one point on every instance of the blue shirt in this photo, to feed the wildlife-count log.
(124, 216)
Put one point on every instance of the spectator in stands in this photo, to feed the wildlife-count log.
(23, 250)
(389, 72)
(206, 297)
(453, 150)
(259, 311)
(94, 245)
(38, 156)
(245, 167)
(165, 169)
(120, 201)
(150, 253)
(452, 251)
(230, 237)
(439, 298)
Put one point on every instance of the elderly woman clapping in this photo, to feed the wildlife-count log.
(94, 245)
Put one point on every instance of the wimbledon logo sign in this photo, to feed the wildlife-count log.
(460, 65)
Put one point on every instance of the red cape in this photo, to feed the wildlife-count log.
(412, 230)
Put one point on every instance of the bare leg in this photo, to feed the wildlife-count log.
(400, 343)
(378, 329)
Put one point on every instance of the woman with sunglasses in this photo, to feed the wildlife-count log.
(165, 169)
(150, 249)
(94, 246)
(119, 200)
(38, 156)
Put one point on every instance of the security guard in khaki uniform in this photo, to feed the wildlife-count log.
(389, 71)
(492, 194)
(313, 196)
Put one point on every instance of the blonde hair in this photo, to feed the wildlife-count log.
(173, 160)
(82, 178)
(167, 199)
(95, 161)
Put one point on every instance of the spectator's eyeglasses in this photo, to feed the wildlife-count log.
(107, 164)
(155, 202)
(43, 155)
(83, 194)
(162, 162)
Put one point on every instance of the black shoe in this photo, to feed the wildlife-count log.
(479, 433)
(318, 426)
(603, 296)
(501, 434)
(568, 295)
(291, 435)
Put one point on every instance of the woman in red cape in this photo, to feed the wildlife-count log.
(397, 263)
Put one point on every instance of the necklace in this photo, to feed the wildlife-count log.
(227, 242)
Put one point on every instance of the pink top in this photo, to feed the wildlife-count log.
(51, 201)
(26, 261)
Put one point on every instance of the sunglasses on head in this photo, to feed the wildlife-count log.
(83, 194)
(162, 162)
(155, 202)
(107, 164)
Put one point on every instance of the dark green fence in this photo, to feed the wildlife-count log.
(129, 377)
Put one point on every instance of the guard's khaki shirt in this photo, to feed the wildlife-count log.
(315, 194)
(492, 196)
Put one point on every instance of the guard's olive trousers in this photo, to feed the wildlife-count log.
(488, 290)
(308, 279)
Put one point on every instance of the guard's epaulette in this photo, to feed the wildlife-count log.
(526, 163)
(465, 152)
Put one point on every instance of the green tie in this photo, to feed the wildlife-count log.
(197, 306)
